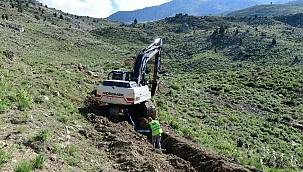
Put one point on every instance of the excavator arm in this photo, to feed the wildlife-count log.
(139, 71)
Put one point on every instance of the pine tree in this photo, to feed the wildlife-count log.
(274, 41)
(222, 30)
(237, 32)
(241, 42)
(135, 22)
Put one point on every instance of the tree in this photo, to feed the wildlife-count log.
(135, 22)
(55, 14)
(4, 16)
(274, 41)
(237, 31)
(241, 42)
(61, 16)
(20, 9)
(37, 17)
(222, 30)
(215, 33)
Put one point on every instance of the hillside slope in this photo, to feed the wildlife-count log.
(270, 10)
(236, 91)
(191, 7)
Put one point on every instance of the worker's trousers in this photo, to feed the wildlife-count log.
(156, 142)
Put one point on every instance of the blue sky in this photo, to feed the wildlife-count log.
(99, 8)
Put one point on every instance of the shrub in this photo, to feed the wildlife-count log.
(24, 100)
(72, 150)
(4, 16)
(274, 41)
(176, 87)
(4, 157)
(3, 106)
(37, 17)
(38, 162)
(41, 136)
(21, 129)
(24, 166)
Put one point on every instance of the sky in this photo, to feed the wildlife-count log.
(99, 8)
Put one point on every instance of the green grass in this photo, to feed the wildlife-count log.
(42, 136)
(238, 101)
(71, 150)
(24, 166)
(38, 162)
(4, 157)
(30, 165)
(269, 10)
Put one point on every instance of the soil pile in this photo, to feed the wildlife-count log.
(130, 151)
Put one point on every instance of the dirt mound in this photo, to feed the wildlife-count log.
(130, 151)
(199, 159)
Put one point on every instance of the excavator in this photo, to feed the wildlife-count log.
(128, 92)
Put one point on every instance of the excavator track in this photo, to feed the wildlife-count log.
(138, 113)
(141, 112)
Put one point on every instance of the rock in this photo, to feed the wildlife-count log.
(81, 67)
(2, 144)
(57, 93)
(53, 158)
(45, 114)
(45, 98)
(90, 73)
(298, 126)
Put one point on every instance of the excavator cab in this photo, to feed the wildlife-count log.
(120, 75)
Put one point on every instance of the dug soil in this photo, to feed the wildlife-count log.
(130, 151)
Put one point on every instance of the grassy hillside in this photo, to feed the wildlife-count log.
(191, 7)
(236, 90)
(269, 10)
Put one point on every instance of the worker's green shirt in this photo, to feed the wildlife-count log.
(155, 127)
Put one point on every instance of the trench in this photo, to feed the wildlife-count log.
(201, 160)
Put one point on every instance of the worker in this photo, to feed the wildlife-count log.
(156, 132)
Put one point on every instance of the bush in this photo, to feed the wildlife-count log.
(176, 87)
(41, 136)
(38, 162)
(72, 150)
(3, 106)
(24, 166)
(4, 157)
(24, 100)
(37, 17)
